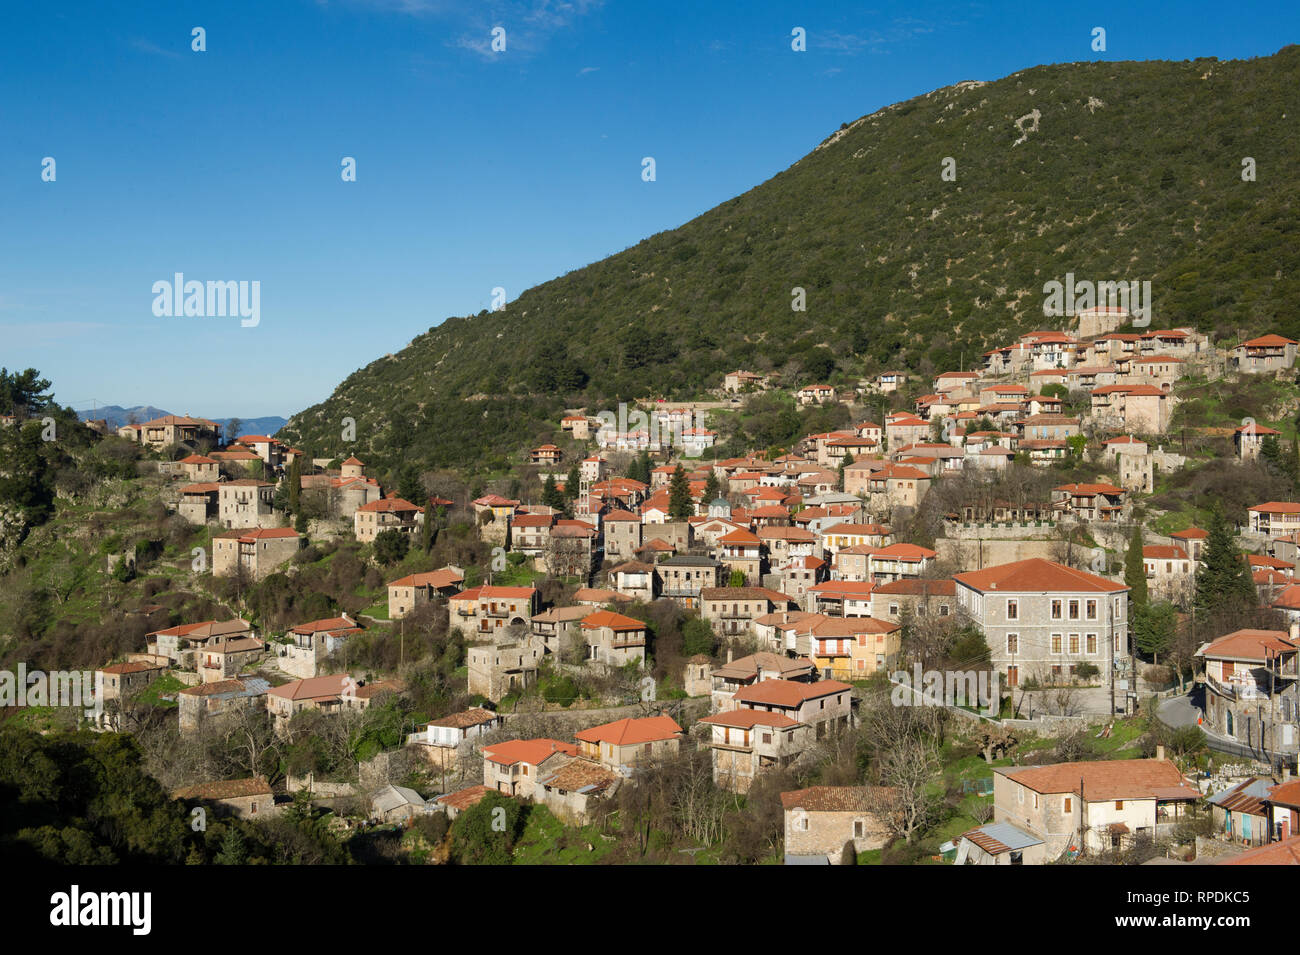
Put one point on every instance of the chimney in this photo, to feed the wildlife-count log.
(1160, 751)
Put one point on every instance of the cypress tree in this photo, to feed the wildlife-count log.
(680, 505)
(1135, 572)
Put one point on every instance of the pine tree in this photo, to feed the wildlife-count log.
(680, 505)
(1223, 580)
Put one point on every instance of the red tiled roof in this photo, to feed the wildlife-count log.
(629, 732)
(531, 751)
(1037, 574)
(1104, 779)
(788, 693)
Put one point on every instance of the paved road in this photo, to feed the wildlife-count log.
(1178, 711)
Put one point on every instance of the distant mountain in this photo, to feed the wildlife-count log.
(920, 235)
(116, 416)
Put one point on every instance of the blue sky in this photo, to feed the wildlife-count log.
(475, 169)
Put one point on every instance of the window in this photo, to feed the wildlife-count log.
(1074, 643)
(1091, 643)
(1119, 804)
(943, 610)
(1056, 609)
(1013, 643)
(1090, 609)
(859, 829)
(1068, 805)
(1035, 800)
(1013, 610)
(1074, 610)
(1056, 643)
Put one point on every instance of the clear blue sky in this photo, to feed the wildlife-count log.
(475, 169)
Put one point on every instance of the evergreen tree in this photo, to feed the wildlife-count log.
(1135, 572)
(1270, 452)
(426, 529)
(29, 485)
(712, 491)
(573, 481)
(1223, 580)
(1153, 629)
(551, 495)
(680, 505)
(640, 470)
(295, 482)
(233, 849)
(409, 486)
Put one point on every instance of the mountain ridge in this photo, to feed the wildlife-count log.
(1109, 170)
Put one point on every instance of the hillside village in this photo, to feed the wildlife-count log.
(637, 611)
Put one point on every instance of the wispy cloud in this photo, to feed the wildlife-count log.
(153, 49)
(870, 41)
(529, 24)
(588, 69)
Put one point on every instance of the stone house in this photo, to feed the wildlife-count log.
(201, 469)
(572, 787)
(172, 429)
(123, 680)
(920, 598)
(613, 639)
(558, 627)
(820, 820)
(199, 503)
(842, 598)
(181, 643)
(684, 577)
(330, 694)
(314, 641)
(438, 741)
(246, 503)
(221, 660)
(626, 743)
(497, 670)
(622, 530)
(1043, 619)
(1169, 571)
(732, 610)
(197, 703)
(390, 513)
(1266, 354)
(1251, 695)
(635, 579)
(487, 612)
(513, 767)
(1097, 805)
(742, 551)
(250, 798)
(396, 804)
(416, 590)
(1090, 503)
(736, 675)
(260, 551)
